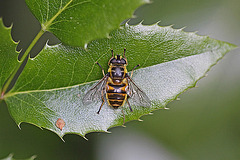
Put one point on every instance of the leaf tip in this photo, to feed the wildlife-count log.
(158, 22)
(84, 136)
(233, 46)
(171, 26)
(141, 22)
(108, 132)
(181, 29)
(123, 126)
(85, 46)
(19, 125)
(62, 138)
(140, 120)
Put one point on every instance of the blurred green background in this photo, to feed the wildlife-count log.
(204, 124)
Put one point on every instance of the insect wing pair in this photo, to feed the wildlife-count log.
(138, 97)
(117, 86)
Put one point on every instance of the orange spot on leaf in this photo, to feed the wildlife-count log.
(60, 123)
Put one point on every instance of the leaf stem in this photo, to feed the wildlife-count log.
(25, 55)
(40, 33)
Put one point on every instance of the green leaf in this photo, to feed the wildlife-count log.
(8, 59)
(77, 22)
(52, 84)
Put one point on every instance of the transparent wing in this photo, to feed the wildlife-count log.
(95, 93)
(137, 96)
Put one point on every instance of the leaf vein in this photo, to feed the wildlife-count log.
(49, 73)
(95, 63)
(74, 64)
(70, 6)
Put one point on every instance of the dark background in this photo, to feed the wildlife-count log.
(204, 124)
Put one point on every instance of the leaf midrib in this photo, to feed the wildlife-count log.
(67, 87)
(48, 23)
(47, 90)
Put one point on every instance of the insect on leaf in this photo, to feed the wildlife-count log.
(58, 78)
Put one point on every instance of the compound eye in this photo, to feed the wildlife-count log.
(113, 60)
(123, 61)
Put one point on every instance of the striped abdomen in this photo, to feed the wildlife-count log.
(116, 92)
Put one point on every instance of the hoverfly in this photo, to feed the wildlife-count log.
(117, 86)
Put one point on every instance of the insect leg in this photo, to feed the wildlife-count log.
(101, 68)
(103, 100)
(133, 69)
(129, 105)
(123, 117)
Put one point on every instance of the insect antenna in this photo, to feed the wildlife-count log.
(112, 53)
(124, 53)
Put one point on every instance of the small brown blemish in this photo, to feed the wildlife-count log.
(60, 123)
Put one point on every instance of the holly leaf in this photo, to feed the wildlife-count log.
(8, 59)
(49, 91)
(77, 22)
